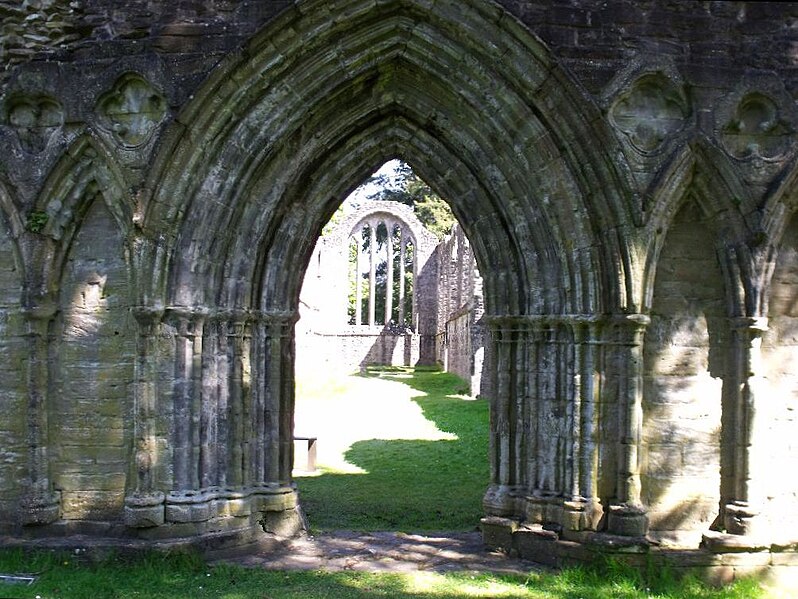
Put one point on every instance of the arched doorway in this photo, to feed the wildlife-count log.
(261, 159)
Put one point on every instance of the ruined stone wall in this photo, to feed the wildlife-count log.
(351, 349)
(624, 171)
(325, 337)
(460, 340)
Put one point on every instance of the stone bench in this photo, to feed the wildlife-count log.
(309, 451)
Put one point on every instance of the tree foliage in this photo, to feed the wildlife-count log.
(405, 186)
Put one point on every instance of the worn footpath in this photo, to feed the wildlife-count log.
(382, 552)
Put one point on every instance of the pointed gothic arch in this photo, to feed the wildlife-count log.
(85, 172)
(259, 123)
(703, 173)
(261, 157)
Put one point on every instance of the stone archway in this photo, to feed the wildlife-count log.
(260, 160)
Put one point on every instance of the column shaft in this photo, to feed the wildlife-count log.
(389, 277)
(372, 271)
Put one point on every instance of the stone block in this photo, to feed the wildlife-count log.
(74, 481)
(91, 505)
(144, 511)
(188, 512)
(498, 532)
(239, 508)
(535, 544)
(286, 523)
(786, 558)
(718, 575)
(718, 542)
(759, 559)
(615, 543)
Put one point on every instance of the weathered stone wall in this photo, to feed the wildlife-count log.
(351, 349)
(221, 136)
(777, 413)
(460, 342)
(324, 334)
(685, 353)
(13, 370)
(93, 373)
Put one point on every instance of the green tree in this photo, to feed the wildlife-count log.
(405, 186)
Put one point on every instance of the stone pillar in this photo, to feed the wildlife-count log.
(627, 516)
(239, 332)
(743, 515)
(144, 507)
(414, 297)
(274, 494)
(40, 505)
(188, 367)
(504, 451)
(276, 401)
(389, 274)
(535, 505)
(358, 282)
(583, 511)
(402, 258)
(209, 402)
(589, 458)
(547, 366)
(372, 271)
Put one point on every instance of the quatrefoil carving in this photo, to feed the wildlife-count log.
(132, 110)
(35, 119)
(756, 129)
(650, 112)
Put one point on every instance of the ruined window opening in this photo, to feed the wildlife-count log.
(382, 269)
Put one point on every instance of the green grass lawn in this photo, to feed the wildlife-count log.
(422, 471)
(160, 576)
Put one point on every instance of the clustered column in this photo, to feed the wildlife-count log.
(230, 437)
(627, 516)
(40, 505)
(144, 506)
(744, 512)
(545, 419)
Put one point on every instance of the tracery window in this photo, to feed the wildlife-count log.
(382, 271)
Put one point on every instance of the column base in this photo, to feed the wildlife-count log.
(40, 509)
(144, 510)
(499, 500)
(627, 521)
(740, 518)
(580, 516)
(190, 506)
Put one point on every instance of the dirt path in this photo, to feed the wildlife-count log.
(383, 552)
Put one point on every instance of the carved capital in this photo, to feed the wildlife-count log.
(148, 317)
(754, 325)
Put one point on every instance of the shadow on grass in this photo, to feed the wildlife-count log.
(411, 485)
